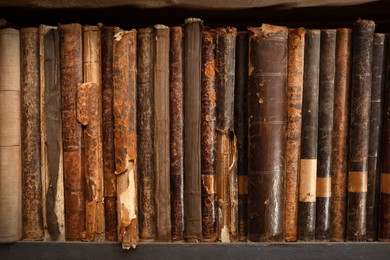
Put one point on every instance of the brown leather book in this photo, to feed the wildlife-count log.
(363, 35)
(308, 168)
(241, 130)
(71, 43)
(208, 137)
(325, 128)
(145, 106)
(110, 212)
(10, 137)
(161, 133)
(338, 200)
(176, 132)
(125, 137)
(267, 125)
(192, 126)
(31, 139)
(379, 63)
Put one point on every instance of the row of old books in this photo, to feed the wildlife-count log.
(194, 134)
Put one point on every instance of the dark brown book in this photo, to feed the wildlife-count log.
(308, 168)
(363, 35)
(110, 215)
(71, 43)
(379, 63)
(161, 133)
(176, 132)
(31, 139)
(340, 135)
(125, 137)
(325, 128)
(241, 130)
(145, 106)
(192, 126)
(267, 125)
(208, 137)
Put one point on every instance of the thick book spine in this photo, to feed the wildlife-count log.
(296, 47)
(325, 128)
(208, 137)
(176, 132)
(226, 168)
(267, 121)
(241, 130)
(192, 126)
(125, 138)
(31, 140)
(161, 133)
(10, 137)
(145, 127)
(110, 215)
(374, 150)
(71, 74)
(363, 35)
(340, 135)
(308, 167)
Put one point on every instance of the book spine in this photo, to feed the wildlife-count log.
(145, 101)
(111, 219)
(374, 150)
(125, 138)
(192, 126)
(308, 168)
(340, 135)
(267, 125)
(176, 133)
(161, 133)
(363, 35)
(296, 46)
(72, 74)
(31, 161)
(325, 128)
(241, 130)
(10, 137)
(208, 137)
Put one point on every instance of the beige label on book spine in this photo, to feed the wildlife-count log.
(307, 183)
(357, 181)
(385, 183)
(324, 187)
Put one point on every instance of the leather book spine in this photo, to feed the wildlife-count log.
(363, 36)
(308, 167)
(267, 127)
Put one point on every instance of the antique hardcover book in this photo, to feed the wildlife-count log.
(296, 47)
(145, 134)
(71, 43)
(267, 125)
(308, 167)
(363, 35)
(340, 135)
(10, 137)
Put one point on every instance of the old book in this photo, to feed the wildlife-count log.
(226, 152)
(241, 130)
(208, 137)
(374, 150)
(325, 128)
(340, 135)
(363, 35)
(267, 125)
(296, 47)
(71, 42)
(125, 137)
(176, 129)
(10, 137)
(308, 167)
(145, 134)
(110, 212)
(31, 140)
(192, 126)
